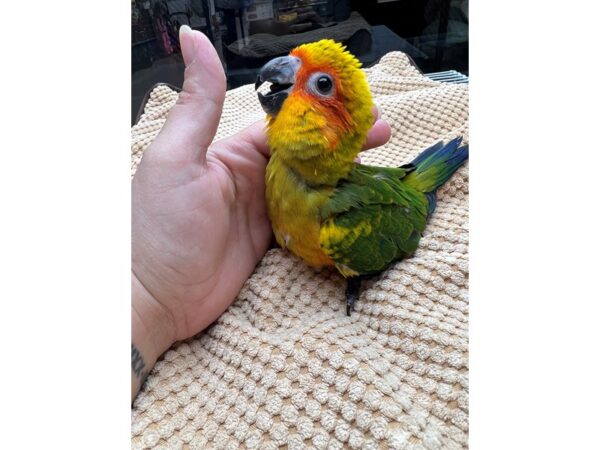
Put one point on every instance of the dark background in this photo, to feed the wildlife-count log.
(434, 33)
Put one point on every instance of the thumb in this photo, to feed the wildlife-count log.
(192, 122)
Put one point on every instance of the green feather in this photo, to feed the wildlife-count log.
(372, 219)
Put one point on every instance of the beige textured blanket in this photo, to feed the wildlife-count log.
(284, 366)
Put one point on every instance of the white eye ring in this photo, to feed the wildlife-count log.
(321, 84)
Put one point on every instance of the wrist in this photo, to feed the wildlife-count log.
(152, 332)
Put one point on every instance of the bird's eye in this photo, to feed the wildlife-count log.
(324, 84)
(321, 84)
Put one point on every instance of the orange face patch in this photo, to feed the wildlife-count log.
(332, 108)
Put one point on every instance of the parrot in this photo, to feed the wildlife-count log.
(324, 206)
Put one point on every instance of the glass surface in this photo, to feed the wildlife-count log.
(248, 33)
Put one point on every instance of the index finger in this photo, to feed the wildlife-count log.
(378, 135)
(254, 136)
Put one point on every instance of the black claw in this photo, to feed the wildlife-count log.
(352, 293)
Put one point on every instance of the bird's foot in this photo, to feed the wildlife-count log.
(352, 293)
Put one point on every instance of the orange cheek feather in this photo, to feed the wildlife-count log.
(331, 108)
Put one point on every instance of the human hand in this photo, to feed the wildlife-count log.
(199, 218)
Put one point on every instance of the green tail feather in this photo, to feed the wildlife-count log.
(435, 166)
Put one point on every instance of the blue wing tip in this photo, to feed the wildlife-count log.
(455, 144)
(458, 151)
(456, 141)
(446, 151)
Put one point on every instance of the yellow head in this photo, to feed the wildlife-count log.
(319, 108)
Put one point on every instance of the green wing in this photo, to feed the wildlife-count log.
(372, 219)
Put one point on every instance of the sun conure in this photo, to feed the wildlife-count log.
(325, 207)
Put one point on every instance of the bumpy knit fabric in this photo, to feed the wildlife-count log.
(284, 365)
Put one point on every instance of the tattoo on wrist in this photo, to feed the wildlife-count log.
(138, 366)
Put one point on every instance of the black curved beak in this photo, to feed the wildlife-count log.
(281, 73)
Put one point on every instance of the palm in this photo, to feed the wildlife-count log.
(210, 228)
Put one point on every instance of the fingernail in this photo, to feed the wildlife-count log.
(184, 29)
(378, 111)
(187, 45)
